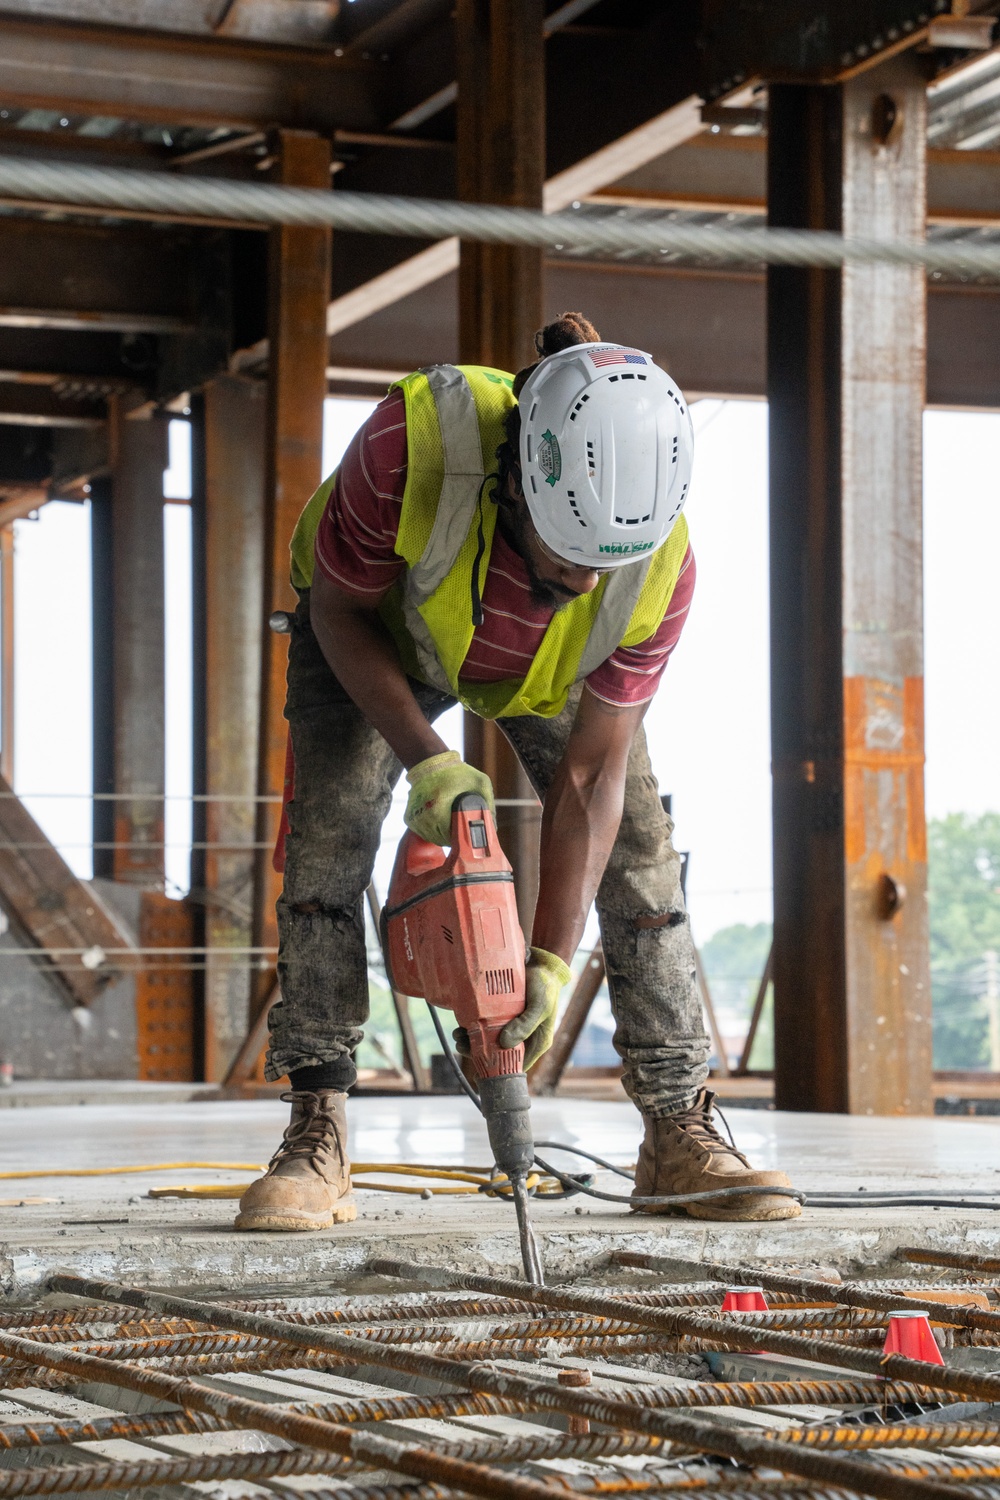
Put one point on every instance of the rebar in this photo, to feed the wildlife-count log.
(845, 1294)
(744, 1446)
(63, 1479)
(899, 1434)
(986, 1265)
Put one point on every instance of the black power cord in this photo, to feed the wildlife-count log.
(573, 1183)
(581, 1183)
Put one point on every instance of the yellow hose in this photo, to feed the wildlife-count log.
(477, 1178)
(160, 1166)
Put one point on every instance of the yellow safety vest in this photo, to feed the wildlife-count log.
(454, 426)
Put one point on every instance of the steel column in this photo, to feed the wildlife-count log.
(164, 997)
(7, 653)
(846, 389)
(102, 613)
(298, 292)
(501, 159)
(139, 457)
(235, 426)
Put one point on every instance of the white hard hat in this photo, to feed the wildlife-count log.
(606, 451)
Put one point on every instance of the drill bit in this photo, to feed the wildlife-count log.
(531, 1255)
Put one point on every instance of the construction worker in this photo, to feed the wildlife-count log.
(515, 545)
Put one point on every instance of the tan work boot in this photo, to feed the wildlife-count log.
(308, 1182)
(684, 1153)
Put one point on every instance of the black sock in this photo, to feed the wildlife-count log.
(338, 1075)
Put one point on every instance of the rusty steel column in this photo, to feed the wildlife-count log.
(7, 653)
(235, 415)
(501, 159)
(846, 359)
(298, 293)
(102, 612)
(139, 457)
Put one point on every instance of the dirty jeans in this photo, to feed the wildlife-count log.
(344, 778)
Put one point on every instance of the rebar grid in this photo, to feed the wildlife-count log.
(152, 1342)
(46, 1432)
(630, 1416)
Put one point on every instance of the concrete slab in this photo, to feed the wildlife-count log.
(34, 1093)
(105, 1225)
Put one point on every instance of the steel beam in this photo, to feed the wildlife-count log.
(501, 159)
(170, 79)
(139, 457)
(728, 174)
(708, 328)
(299, 281)
(235, 427)
(300, 25)
(83, 276)
(42, 406)
(846, 389)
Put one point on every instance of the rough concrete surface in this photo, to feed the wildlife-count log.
(107, 1226)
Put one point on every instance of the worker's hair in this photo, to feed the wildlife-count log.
(568, 329)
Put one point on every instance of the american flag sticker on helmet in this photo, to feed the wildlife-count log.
(601, 357)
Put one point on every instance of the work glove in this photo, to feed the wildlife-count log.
(544, 977)
(434, 785)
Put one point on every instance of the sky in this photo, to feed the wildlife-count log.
(708, 725)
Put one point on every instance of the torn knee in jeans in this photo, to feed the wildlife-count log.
(659, 919)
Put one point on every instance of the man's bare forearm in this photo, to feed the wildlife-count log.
(363, 657)
(583, 811)
(579, 828)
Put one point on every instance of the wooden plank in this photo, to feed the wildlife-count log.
(758, 1010)
(54, 908)
(713, 1025)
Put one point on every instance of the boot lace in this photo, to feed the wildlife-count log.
(312, 1132)
(697, 1123)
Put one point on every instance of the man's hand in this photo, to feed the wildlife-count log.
(544, 976)
(435, 783)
